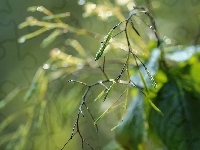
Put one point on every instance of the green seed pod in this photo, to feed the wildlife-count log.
(108, 90)
(104, 44)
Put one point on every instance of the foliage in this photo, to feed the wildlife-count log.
(179, 129)
(150, 71)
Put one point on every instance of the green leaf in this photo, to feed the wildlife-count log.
(179, 129)
(131, 131)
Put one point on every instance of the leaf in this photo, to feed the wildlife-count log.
(152, 66)
(180, 126)
(131, 131)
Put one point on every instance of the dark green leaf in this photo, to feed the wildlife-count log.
(179, 129)
(131, 131)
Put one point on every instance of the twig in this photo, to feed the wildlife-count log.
(76, 128)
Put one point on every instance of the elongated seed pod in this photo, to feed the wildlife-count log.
(108, 90)
(147, 71)
(104, 44)
(136, 31)
(152, 79)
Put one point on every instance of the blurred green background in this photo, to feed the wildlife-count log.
(177, 21)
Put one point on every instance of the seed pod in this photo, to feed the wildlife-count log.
(104, 44)
(108, 90)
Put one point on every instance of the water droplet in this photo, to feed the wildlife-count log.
(55, 52)
(93, 6)
(46, 66)
(167, 40)
(109, 13)
(40, 8)
(22, 40)
(81, 2)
